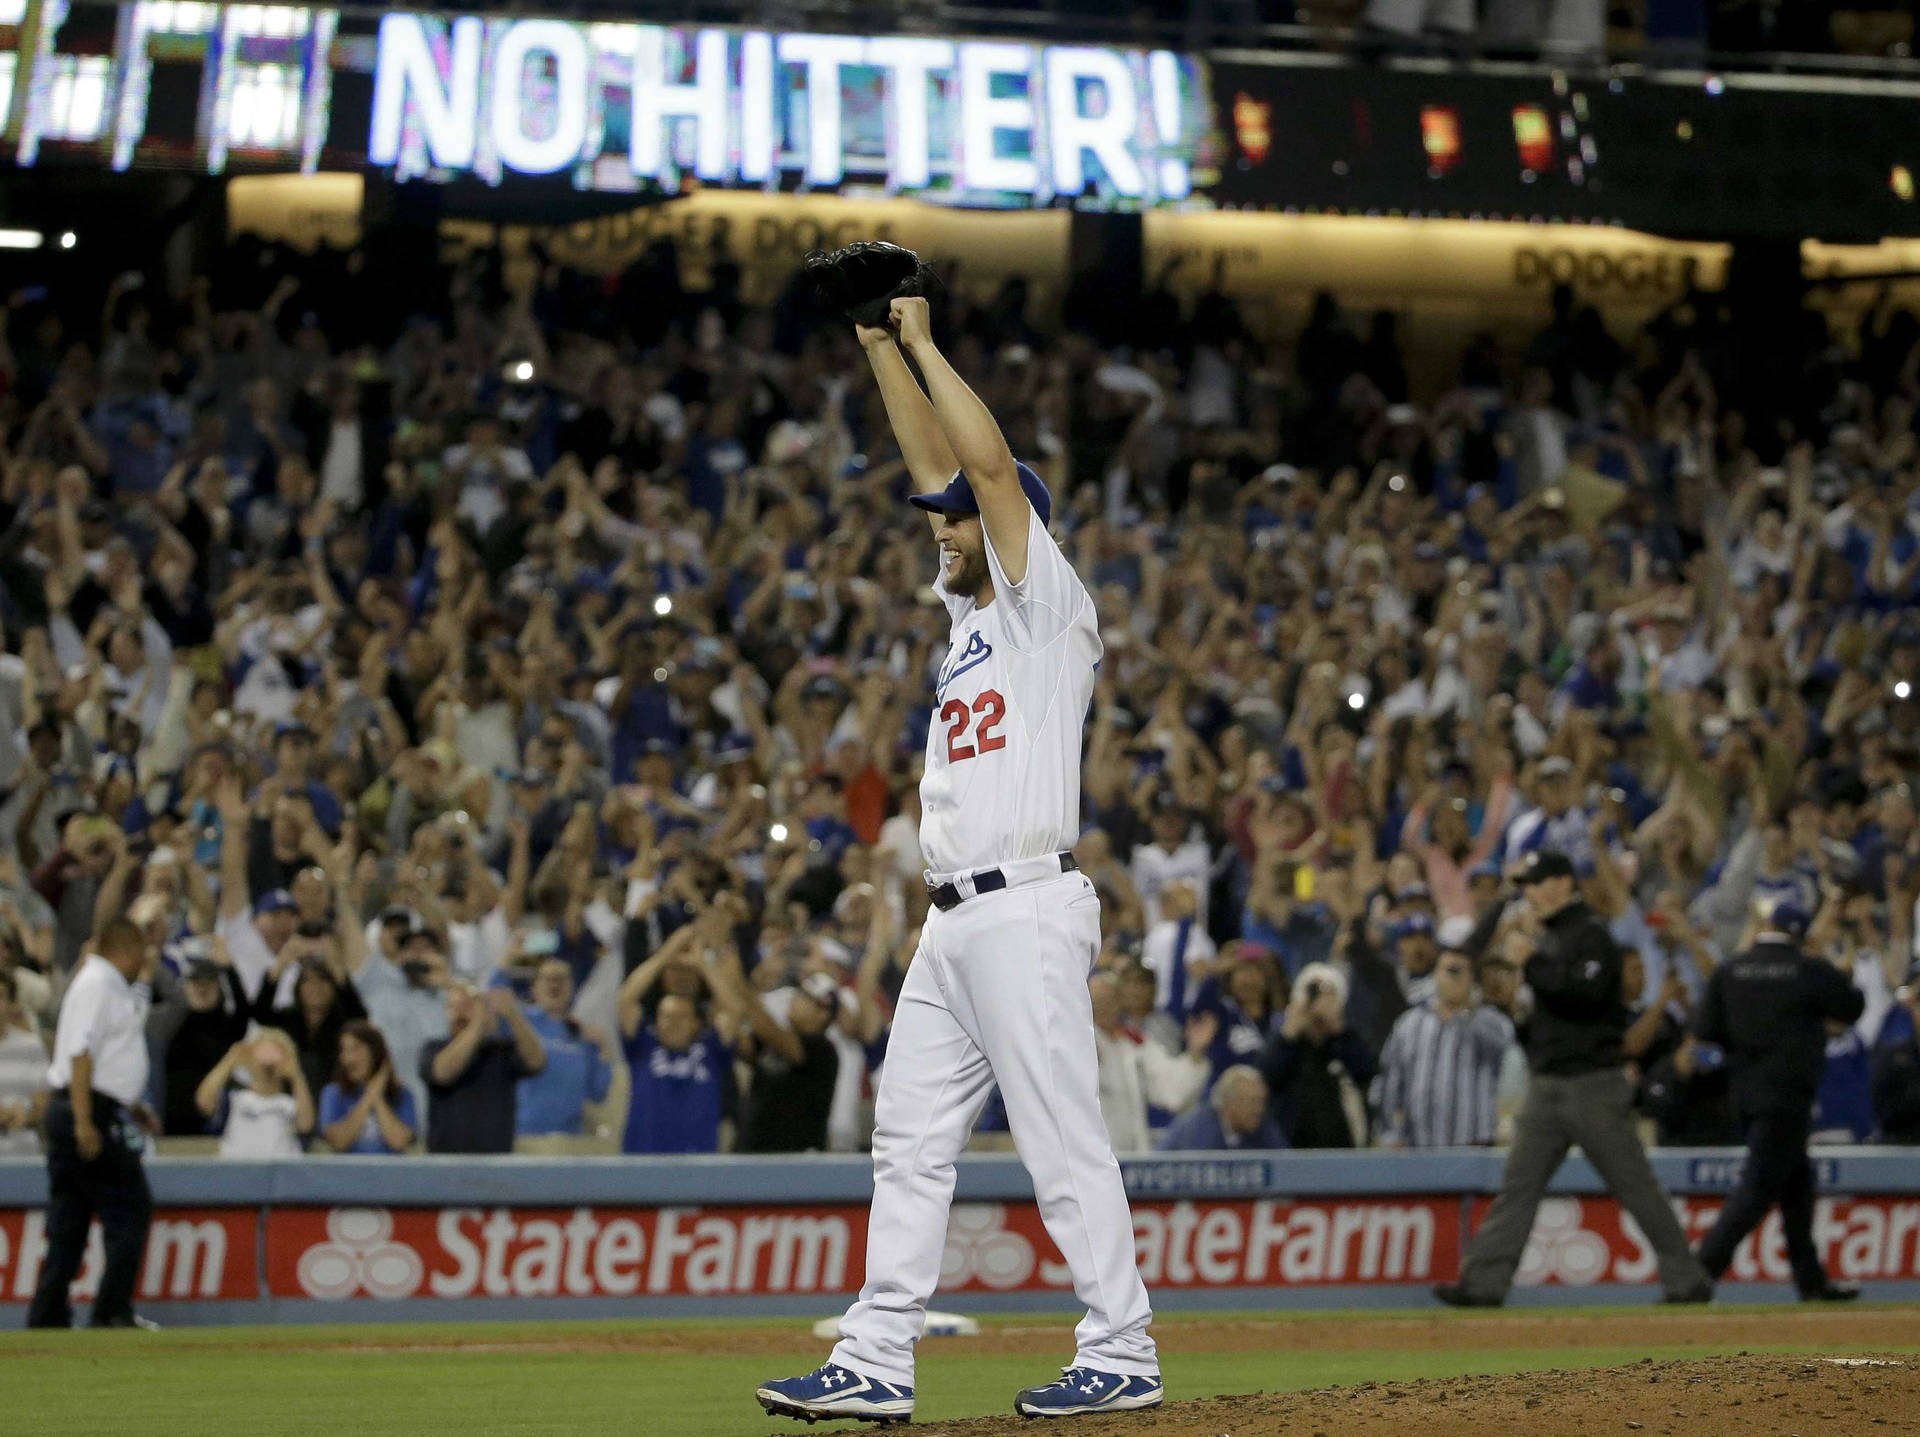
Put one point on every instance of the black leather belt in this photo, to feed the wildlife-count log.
(986, 880)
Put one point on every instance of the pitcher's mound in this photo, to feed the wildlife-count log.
(1754, 1396)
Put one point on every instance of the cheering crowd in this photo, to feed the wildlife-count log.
(500, 713)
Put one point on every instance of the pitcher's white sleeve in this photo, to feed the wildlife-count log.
(1049, 598)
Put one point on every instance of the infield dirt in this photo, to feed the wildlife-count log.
(1847, 1390)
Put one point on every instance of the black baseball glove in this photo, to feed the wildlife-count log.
(865, 278)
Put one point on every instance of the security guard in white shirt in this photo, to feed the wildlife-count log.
(94, 1130)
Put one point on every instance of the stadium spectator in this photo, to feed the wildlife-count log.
(1176, 852)
(1440, 1070)
(1137, 1075)
(405, 998)
(257, 1099)
(23, 1074)
(679, 1062)
(366, 1108)
(1139, 1011)
(1245, 992)
(197, 1018)
(472, 1076)
(578, 1070)
(1235, 1115)
(1317, 1068)
(1175, 945)
(320, 1007)
(795, 1064)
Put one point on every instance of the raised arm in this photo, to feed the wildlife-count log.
(453, 1059)
(640, 981)
(234, 820)
(975, 439)
(526, 1043)
(738, 996)
(923, 441)
(206, 1097)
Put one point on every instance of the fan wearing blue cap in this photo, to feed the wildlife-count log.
(996, 993)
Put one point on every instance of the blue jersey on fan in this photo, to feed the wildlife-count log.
(677, 1097)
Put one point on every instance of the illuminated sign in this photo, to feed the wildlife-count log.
(622, 108)
(630, 107)
(663, 111)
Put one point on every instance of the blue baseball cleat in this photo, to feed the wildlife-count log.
(1081, 1390)
(832, 1394)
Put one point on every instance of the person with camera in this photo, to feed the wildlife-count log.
(472, 1075)
(1578, 1090)
(97, 1124)
(1771, 1010)
(1317, 1067)
(406, 1000)
(257, 1098)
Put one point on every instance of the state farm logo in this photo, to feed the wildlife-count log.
(980, 1249)
(1560, 1249)
(360, 1256)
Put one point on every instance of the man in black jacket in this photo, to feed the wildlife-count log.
(1578, 1092)
(1317, 1068)
(1769, 1009)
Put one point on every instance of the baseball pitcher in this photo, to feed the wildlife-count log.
(997, 990)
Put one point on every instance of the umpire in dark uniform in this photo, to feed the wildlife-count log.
(1577, 1092)
(1769, 1009)
(94, 1130)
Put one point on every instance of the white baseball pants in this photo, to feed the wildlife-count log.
(997, 992)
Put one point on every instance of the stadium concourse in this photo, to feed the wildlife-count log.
(370, 642)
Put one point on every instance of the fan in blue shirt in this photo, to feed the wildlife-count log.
(681, 1075)
(554, 1099)
(681, 1068)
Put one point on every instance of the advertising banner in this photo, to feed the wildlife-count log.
(1578, 1242)
(368, 1253)
(197, 1253)
(340, 1253)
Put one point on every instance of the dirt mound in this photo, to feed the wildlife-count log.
(1755, 1396)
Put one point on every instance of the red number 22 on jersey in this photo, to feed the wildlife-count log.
(955, 714)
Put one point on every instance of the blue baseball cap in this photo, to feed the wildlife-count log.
(957, 497)
(274, 900)
(1411, 924)
(1789, 918)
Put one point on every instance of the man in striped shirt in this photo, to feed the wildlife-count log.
(1440, 1071)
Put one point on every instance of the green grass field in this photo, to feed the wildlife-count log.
(695, 1379)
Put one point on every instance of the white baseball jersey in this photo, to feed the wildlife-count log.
(1002, 777)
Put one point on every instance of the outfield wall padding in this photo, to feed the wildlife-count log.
(357, 1239)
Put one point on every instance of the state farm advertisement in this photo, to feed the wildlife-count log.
(366, 1253)
(192, 1253)
(1577, 1242)
(340, 1253)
